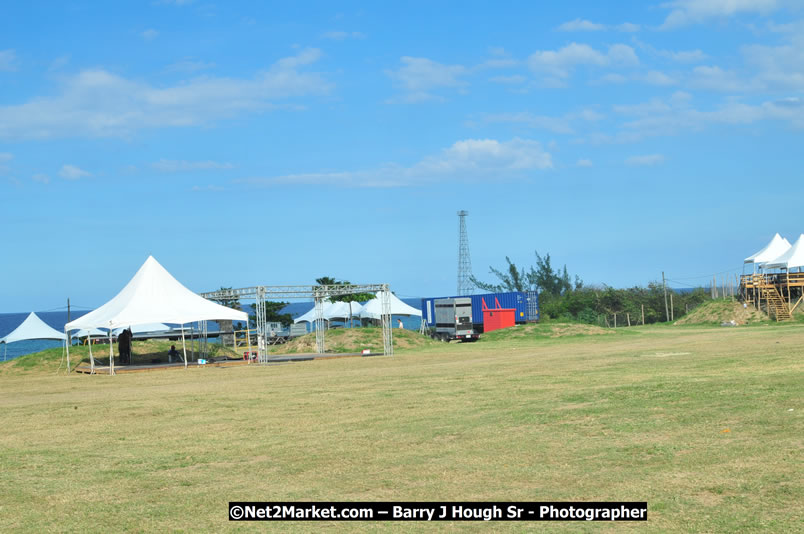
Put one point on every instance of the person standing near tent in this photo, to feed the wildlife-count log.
(124, 345)
(399, 323)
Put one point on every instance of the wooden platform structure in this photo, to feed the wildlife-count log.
(778, 294)
(162, 366)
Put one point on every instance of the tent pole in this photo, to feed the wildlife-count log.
(183, 346)
(91, 358)
(68, 354)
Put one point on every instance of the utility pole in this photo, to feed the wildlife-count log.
(666, 309)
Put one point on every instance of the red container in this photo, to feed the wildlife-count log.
(497, 318)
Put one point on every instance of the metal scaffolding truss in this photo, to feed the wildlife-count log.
(261, 294)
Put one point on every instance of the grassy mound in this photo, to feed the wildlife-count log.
(354, 340)
(722, 311)
(47, 361)
(544, 330)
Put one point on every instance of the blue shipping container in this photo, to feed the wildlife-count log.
(526, 304)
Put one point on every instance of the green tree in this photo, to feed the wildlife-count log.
(358, 297)
(229, 302)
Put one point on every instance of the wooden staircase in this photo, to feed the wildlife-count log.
(776, 304)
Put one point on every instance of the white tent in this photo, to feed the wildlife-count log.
(94, 332)
(792, 258)
(142, 328)
(153, 295)
(777, 246)
(32, 328)
(373, 308)
(309, 317)
(341, 310)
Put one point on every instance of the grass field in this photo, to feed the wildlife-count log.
(703, 423)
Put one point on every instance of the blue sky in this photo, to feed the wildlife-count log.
(265, 143)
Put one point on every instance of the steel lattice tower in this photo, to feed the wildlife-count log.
(464, 260)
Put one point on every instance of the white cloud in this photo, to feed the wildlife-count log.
(654, 77)
(513, 79)
(677, 115)
(189, 65)
(581, 25)
(166, 165)
(418, 76)
(628, 27)
(644, 161)
(684, 56)
(467, 160)
(612, 77)
(498, 63)
(560, 63)
(584, 163)
(421, 74)
(341, 35)
(71, 172)
(686, 12)
(8, 60)
(559, 125)
(98, 103)
(716, 79)
(149, 34)
(41, 178)
(779, 67)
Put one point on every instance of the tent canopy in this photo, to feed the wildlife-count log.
(792, 258)
(340, 310)
(373, 308)
(33, 328)
(309, 317)
(94, 332)
(154, 296)
(777, 246)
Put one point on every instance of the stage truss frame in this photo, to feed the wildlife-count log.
(261, 294)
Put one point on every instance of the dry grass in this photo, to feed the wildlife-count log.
(633, 415)
(722, 311)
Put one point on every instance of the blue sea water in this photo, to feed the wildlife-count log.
(57, 320)
(10, 321)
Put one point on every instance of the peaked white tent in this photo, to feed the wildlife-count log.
(32, 328)
(793, 257)
(373, 308)
(777, 246)
(341, 310)
(309, 317)
(153, 296)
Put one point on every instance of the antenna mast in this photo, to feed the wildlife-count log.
(464, 260)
